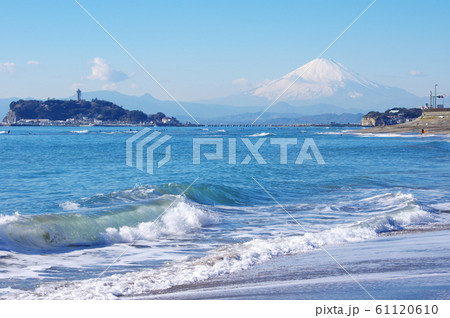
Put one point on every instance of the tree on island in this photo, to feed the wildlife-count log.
(99, 110)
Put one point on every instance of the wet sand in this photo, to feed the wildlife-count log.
(408, 265)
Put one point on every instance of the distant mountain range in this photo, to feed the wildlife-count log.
(288, 118)
(321, 87)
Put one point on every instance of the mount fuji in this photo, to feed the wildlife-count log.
(323, 82)
(320, 78)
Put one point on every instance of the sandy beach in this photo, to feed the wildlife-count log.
(432, 123)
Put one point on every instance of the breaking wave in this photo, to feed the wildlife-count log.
(103, 220)
(79, 131)
(263, 134)
(232, 258)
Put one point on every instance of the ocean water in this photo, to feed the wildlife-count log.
(76, 222)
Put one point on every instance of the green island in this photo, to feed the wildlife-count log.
(56, 112)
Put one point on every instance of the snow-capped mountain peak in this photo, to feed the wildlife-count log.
(316, 79)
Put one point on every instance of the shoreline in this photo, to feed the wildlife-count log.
(405, 130)
(192, 125)
(314, 275)
(431, 121)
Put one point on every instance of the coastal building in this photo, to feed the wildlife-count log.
(34, 122)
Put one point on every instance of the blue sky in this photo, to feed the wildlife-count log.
(207, 49)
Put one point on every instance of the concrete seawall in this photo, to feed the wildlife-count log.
(432, 113)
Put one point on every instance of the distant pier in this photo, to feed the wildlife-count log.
(282, 125)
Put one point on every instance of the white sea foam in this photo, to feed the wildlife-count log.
(444, 206)
(4, 219)
(389, 199)
(177, 221)
(330, 133)
(263, 134)
(227, 259)
(391, 135)
(118, 132)
(135, 194)
(3, 132)
(79, 131)
(70, 206)
(9, 291)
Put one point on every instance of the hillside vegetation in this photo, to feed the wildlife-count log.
(99, 110)
(392, 116)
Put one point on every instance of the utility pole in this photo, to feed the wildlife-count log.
(431, 101)
(435, 101)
